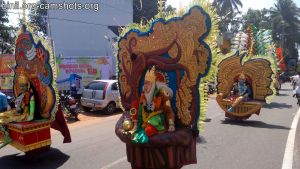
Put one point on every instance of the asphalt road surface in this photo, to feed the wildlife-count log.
(258, 143)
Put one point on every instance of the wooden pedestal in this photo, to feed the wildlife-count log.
(30, 136)
(170, 150)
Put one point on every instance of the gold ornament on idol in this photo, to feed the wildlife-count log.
(127, 125)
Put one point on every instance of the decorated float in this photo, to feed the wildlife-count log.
(161, 71)
(246, 79)
(27, 128)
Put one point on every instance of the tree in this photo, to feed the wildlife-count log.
(38, 17)
(286, 29)
(227, 10)
(170, 9)
(144, 10)
(6, 32)
(259, 18)
(228, 6)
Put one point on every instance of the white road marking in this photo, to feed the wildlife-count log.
(289, 148)
(115, 163)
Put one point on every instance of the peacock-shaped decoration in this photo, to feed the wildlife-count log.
(246, 78)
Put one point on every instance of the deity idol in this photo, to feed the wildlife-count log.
(155, 109)
(241, 91)
(25, 106)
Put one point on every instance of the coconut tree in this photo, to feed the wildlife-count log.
(227, 10)
(228, 6)
(286, 29)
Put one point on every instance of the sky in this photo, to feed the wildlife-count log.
(254, 4)
(15, 14)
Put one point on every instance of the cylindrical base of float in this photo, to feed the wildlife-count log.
(170, 150)
(169, 157)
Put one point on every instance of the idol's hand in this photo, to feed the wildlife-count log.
(171, 128)
(152, 106)
(134, 126)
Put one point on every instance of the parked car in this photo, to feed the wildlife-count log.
(101, 95)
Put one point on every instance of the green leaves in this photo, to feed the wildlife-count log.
(38, 17)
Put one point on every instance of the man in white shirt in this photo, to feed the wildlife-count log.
(296, 84)
(295, 81)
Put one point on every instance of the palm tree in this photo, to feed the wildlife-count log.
(286, 27)
(227, 9)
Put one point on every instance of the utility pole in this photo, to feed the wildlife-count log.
(24, 10)
(1, 42)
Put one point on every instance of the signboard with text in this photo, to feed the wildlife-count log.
(7, 63)
(88, 68)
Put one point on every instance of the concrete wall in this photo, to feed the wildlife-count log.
(81, 32)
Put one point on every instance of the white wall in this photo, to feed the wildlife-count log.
(72, 38)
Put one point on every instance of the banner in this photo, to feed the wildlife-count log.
(86, 68)
(7, 63)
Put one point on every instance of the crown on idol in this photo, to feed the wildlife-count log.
(151, 74)
(242, 76)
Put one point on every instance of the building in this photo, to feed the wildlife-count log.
(86, 32)
(83, 32)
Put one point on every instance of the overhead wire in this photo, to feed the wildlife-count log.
(70, 20)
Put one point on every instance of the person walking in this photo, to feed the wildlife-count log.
(3, 128)
(3, 102)
(296, 87)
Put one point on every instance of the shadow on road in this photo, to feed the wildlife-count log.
(280, 94)
(275, 105)
(100, 113)
(200, 140)
(286, 89)
(257, 124)
(51, 159)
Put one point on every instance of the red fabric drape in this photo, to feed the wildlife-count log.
(60, 124)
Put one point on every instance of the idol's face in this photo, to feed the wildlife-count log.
(241, 81)
(147, 86)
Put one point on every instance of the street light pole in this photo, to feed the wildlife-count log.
(1, 42)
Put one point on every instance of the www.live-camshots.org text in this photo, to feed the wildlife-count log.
(50, 6)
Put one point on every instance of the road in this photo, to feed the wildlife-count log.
(258, 143)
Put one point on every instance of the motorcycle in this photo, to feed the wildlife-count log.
(70, 106)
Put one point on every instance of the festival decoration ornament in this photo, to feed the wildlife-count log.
(36, 93)
(239, 97)
(163, 68)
